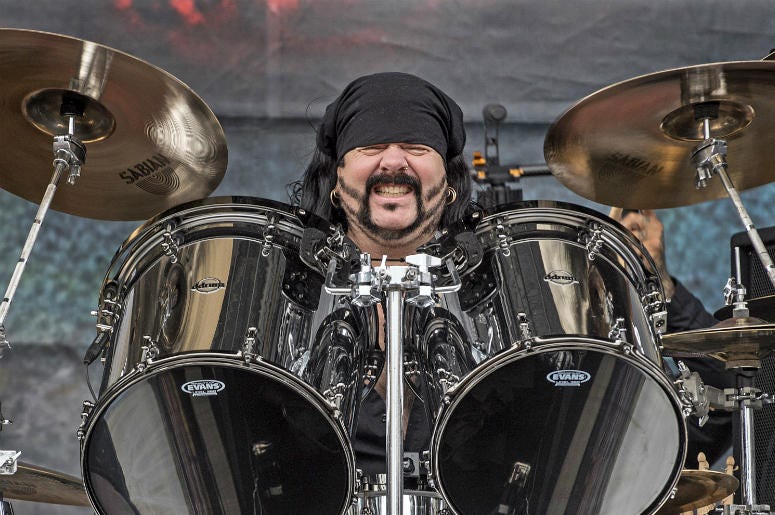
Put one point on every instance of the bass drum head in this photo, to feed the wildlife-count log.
(563, 429)
(210, 437)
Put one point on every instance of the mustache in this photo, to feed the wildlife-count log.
(399, 178)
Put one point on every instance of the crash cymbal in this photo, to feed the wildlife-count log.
(630, 144)
(762, 307)
(734, 338)
(699, 488)
(37, 484)
(151, 142)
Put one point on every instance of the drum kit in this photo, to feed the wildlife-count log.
(238, 335)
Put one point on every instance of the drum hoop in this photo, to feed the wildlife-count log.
(230, 361)
(565, 342)
(200, 214)
(624, 242)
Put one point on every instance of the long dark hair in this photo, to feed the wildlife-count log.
(312, 191)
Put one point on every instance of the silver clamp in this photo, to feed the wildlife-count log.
(71, 154)
(708, 158)
(692, 392)
(9, 462)
(419, 276)
(734, 295)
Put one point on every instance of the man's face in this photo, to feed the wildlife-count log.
(394, 193)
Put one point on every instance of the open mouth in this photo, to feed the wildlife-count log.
(392, 190)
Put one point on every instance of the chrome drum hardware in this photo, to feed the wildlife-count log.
(561, 395)
(418, 499)
(232, 379)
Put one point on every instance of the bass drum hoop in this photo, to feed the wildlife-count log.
(567, 342)
(233, 361)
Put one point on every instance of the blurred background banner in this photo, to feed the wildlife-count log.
(268, 68)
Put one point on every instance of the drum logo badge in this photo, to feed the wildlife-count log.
(568, 377)
(208, 285)
(203, 387)
(560, 277)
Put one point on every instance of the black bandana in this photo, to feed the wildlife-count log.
(392, 108)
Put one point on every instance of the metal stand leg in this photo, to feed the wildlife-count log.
(6, 508)
(710, 157)
(747, 463)
(69, 154)
(395, 400)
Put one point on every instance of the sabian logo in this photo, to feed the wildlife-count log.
(568, 377)
(203, 387)
(208, 285)
(560, 277)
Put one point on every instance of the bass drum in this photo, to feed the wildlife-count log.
(232, 379)
(543, 372)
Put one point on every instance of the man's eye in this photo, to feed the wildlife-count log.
(417, 150)
(373, 150)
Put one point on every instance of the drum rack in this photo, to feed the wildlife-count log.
(397, 285)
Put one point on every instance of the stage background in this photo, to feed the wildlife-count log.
(268, 68)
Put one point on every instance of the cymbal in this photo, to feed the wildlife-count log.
(37, 484)
(630, 144)
(698, 488)
(151, 142)
(728, 339)
(761, 307)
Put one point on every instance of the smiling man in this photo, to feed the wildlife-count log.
(388, 164)
(388, 168)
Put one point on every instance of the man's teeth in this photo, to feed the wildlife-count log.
(392, 190)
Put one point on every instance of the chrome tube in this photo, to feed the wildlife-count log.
(395, 399)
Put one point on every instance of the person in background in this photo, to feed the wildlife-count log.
(685, 312)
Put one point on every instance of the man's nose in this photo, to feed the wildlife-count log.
(394, 159)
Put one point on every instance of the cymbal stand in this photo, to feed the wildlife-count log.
(69, 156)
(412, 284)
(709, 157)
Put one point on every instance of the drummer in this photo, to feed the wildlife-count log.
(684, 313)
(389, 168)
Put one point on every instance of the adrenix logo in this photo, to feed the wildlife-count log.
(203, 387)
(560, 277)
(568, 377)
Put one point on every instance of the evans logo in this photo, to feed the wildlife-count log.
(560, 277)
(203, 387)
(568, 377)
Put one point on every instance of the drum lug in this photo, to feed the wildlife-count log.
(86, 410)
(335, 397)
(655, 309)
(504, 239)
(108, 311)
(524, 328)
(169, 244)
(411, 369)
(248, 353)
(150, 353)
(618, 333)
(447, 380)
(269, 234)
(592, 238)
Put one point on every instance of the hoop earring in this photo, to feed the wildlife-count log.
(334, 198)
(451, 195)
